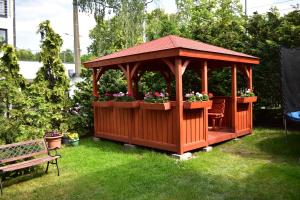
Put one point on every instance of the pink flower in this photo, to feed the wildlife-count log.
(157, 94)
(210, 95)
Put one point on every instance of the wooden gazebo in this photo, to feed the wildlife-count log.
(177, 129)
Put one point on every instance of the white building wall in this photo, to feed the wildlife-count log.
(7, 22)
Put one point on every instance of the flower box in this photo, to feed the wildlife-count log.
(126, 104)
(104, 104)
(246, 99)
(155, 106)
(197, 104)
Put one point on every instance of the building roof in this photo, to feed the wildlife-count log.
(170, 42)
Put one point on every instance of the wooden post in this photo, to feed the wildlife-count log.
(179, 103)
(234, 97)
(129, 80)
(250, 78)
(204, 77)
(95, 87)
(251, 104)
(204, 83)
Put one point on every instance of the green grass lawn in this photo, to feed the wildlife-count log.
(259, 166)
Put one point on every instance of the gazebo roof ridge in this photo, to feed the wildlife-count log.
(170, 42)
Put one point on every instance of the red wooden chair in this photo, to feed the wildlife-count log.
(217, 112)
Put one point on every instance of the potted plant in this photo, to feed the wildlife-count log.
(247, 96)
(156, 101)
(125, 101)
(104, 101)
(53, 139)
(197, 100)
(65, 138)
(73, 139)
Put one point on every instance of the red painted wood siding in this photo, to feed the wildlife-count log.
(244, 118)
(114, 123)
(151, 128)
(194, 129)
(157, 128)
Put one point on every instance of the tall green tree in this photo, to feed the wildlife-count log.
(217, 22)
(123, 30)
(12, 97)
(49, 91)
(159, 24)
(268, 32)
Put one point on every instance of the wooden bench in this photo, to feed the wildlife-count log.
(25, 154)
(217, 112)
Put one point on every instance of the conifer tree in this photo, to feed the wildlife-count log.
(12, 99)
(49, 90)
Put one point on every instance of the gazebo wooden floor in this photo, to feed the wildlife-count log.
(221, 135)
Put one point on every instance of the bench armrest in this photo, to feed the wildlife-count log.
(53, 150)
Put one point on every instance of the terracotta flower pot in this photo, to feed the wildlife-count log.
(197, 104)
(246, 99)
(155, 106)
(123, 104)
(53, 142)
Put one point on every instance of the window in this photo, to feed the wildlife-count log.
(3, 8)
(3, 36)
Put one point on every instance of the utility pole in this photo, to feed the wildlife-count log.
(76, 39)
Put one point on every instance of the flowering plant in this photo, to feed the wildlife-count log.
(156, 97)
(106, 97)
(123, 97)
(192, 97)
(52, 134)
(247, 93)
(73, 136)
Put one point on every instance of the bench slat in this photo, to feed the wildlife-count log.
(26, 164)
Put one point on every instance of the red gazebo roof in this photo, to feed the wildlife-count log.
(169, 46)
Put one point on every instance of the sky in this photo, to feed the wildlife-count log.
(29, 13)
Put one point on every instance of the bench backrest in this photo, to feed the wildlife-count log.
(218, 106)
(21, 150)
